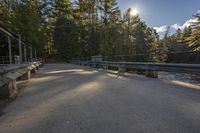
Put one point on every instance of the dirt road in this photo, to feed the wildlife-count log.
(63, 98)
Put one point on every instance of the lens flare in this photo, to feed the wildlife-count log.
(134, 12)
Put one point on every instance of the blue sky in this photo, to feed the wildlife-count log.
(158, 13)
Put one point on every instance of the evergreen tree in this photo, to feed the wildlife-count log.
(4, 13)
(110, 15)
(83, 28)
(93, 28)
(65, 30)
(194, 39)
(109, 11)
(27, 20)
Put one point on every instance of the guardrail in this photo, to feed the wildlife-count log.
(24, 49)
(148, 67)
(4, 60)
(9, 75)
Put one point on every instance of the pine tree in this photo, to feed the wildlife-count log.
(181, 38)
(93, 28)
(110, 15)
(194, 39)
(64, 28)
(27, 20)
(129, 24)
(82, 28)
(4, 13)
(110, 12)
(187, 31)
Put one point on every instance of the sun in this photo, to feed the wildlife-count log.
(134, 12)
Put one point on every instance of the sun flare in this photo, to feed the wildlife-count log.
(134, 12)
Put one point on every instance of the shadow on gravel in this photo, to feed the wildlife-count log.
(21, 85)
(2, 106)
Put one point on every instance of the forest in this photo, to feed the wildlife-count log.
(79, 29)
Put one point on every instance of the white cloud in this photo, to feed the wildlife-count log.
(176, 26)
(173, 28)
(161, 29)
(186, 24)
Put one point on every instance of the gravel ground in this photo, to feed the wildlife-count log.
(64, 98)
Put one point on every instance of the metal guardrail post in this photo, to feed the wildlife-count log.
(10, 50)
(20, 49)
(20, 43)
(35, 53)
(25, 56)
(31, 54)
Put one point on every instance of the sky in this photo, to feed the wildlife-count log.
(162, 13)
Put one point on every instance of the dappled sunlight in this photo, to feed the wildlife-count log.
(67, 97)
(90, 87)
(64, 71)
(44, 79)
(87, 88)
(111, 75)
(184, 84)
(87, 72)
(52, 103)
(78, 71)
